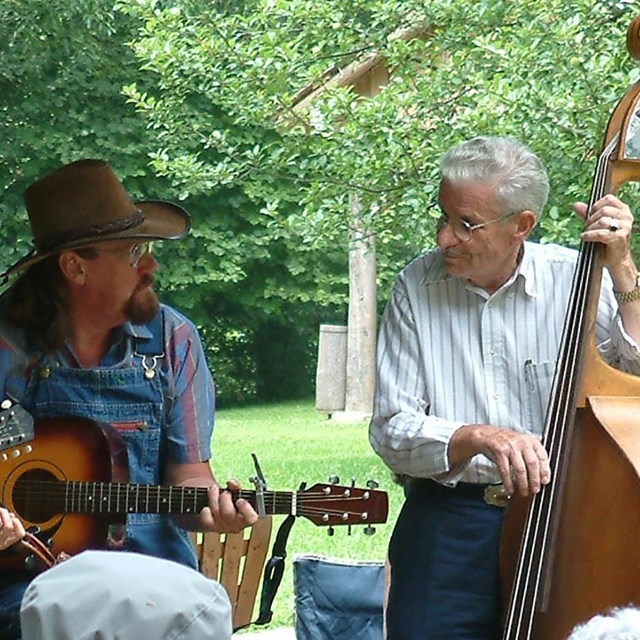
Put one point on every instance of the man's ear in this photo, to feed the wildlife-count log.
(525, 221)
(72, 267)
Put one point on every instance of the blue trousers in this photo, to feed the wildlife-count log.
(12, 589)
(445, 581)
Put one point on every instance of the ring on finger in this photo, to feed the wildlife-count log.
(614, 226)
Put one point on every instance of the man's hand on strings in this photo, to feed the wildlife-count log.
(225, 515)
(11, 529)
(610, 222)
(521, 459)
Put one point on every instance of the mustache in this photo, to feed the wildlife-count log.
(147, 281)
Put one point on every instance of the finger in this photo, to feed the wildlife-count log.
(504, 468)
(226, 507)
(247, 512)
(581, 209)
(11, 529)
(207, 521)
(609, 211)
(209, 514)
(532, 463)
(545, 467)
(242, 506)
(213, 498)
(520, 474)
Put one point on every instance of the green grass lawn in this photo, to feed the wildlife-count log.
(294, 443)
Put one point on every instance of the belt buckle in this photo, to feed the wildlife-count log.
(496, 495)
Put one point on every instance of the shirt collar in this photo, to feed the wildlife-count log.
(527, 270)
(136, 330)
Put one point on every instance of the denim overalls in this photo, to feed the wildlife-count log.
(131, 399)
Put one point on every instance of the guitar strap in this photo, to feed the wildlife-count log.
(273, 571)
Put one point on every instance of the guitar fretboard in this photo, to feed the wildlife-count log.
(120, 498)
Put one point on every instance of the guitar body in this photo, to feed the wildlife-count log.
(70, 482)
(63, 449)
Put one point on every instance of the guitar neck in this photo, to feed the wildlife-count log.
(114, 498)
(322, 504)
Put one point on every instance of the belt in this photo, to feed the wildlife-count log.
(492, 494)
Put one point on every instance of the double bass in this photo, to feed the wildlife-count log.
(573, 550)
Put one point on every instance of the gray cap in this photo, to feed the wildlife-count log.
(109, 595)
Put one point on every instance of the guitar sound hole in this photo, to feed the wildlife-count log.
(34, 496)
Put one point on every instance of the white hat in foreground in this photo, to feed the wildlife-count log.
(109, 595)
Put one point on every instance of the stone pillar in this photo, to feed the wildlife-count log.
(331, 371)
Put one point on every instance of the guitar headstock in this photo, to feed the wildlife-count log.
(16, 425)
(333, 505)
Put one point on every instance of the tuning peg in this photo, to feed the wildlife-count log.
(372, 484)
(330, 531)
(369, 530)
(334, 479)
(5, 404)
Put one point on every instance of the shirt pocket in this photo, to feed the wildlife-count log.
(538, 379)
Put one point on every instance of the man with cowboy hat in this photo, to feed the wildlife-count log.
(82, 334)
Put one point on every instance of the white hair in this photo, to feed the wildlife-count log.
(618, 624)
(520, 178)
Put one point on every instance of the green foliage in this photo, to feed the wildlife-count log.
(64, 68)
(545, 71)
(191, 100)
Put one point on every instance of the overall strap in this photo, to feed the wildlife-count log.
(150, 351)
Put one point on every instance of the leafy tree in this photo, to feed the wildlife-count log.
(545, 71)
(64, 66)
(268, 186)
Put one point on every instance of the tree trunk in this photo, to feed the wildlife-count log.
(361, 337)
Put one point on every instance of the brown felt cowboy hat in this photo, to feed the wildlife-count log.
(84, 203)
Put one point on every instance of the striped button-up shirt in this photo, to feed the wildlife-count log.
(450, 354)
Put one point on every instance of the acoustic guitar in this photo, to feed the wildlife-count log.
(68, 478)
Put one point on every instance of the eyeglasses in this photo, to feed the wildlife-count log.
(136, 252)
(462, 229)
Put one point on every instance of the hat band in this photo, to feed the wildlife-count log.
(94, 231)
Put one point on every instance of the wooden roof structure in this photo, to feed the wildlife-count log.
(366, 76)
